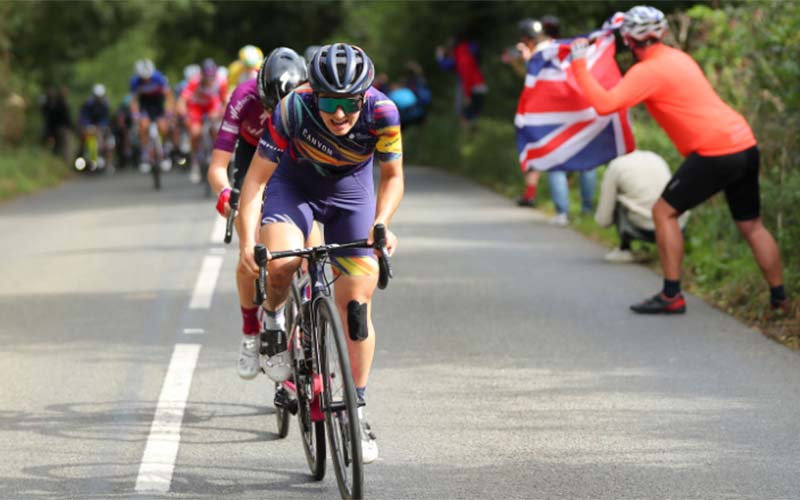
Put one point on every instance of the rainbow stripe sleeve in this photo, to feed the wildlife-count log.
(387, 127)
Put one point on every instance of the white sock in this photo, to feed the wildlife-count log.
(275, 320)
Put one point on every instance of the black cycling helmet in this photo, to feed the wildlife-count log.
(280, 73)
(340, 68)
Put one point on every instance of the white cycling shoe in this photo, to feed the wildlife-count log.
(277, 363)
(194, 174)
(248, 357)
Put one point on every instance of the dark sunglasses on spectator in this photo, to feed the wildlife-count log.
(348, 104)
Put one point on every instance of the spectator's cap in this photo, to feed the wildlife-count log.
(99, 90)
(535, 28)
(530, 28)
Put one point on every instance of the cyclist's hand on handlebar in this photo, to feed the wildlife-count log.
(391, 241)
(247, 261)
(223, 205)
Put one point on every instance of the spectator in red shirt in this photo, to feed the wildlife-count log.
(463, 58)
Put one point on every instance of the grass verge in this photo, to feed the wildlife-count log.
(27, 170)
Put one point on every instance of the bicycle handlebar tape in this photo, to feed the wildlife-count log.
(379, 235)
(384, 266)
(261, 283)
(233, 201)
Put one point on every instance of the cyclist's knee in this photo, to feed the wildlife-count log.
(281, 272)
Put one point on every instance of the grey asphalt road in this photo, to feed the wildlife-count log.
(508, 365)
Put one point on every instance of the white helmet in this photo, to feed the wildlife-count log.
(644, 23)
(99, 90)
(145, 68)
(191, 71)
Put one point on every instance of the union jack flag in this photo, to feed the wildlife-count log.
(557, 129)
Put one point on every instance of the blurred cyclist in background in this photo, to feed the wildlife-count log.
(151, 98)
(95, 119)
(245, 67)
(202, 99)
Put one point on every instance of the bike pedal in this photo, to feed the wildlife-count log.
(283, 401)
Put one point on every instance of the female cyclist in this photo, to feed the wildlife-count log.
(315, 159)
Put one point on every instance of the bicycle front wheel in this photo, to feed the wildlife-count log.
(339, 402)
(312, 432)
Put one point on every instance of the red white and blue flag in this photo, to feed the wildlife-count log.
(557, 128)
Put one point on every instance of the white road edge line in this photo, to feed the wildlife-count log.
(161, 450)
(218, 232)
(206, 281)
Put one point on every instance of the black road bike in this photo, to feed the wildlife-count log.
(321, 391)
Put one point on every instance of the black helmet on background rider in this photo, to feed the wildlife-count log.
(280, 73)
(340, 68)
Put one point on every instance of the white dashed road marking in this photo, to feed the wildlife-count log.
(158, 461)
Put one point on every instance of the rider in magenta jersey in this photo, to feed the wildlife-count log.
(316, 160)
(246, 116)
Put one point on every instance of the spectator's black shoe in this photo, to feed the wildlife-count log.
(778, 310)
(526, 202)
(661, 304)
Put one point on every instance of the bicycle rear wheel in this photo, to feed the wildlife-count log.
(339, 401)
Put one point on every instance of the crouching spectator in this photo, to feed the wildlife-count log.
(631, 186)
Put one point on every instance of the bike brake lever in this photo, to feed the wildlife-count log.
(233, 201)
(261, 283)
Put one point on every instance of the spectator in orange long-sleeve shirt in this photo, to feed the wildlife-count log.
(720, 149)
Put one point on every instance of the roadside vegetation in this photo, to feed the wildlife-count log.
(27, 170)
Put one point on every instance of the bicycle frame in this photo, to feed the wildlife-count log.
(320, 288)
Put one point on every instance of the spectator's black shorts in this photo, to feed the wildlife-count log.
(700, 177)
(472, 110)
(241, 161)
